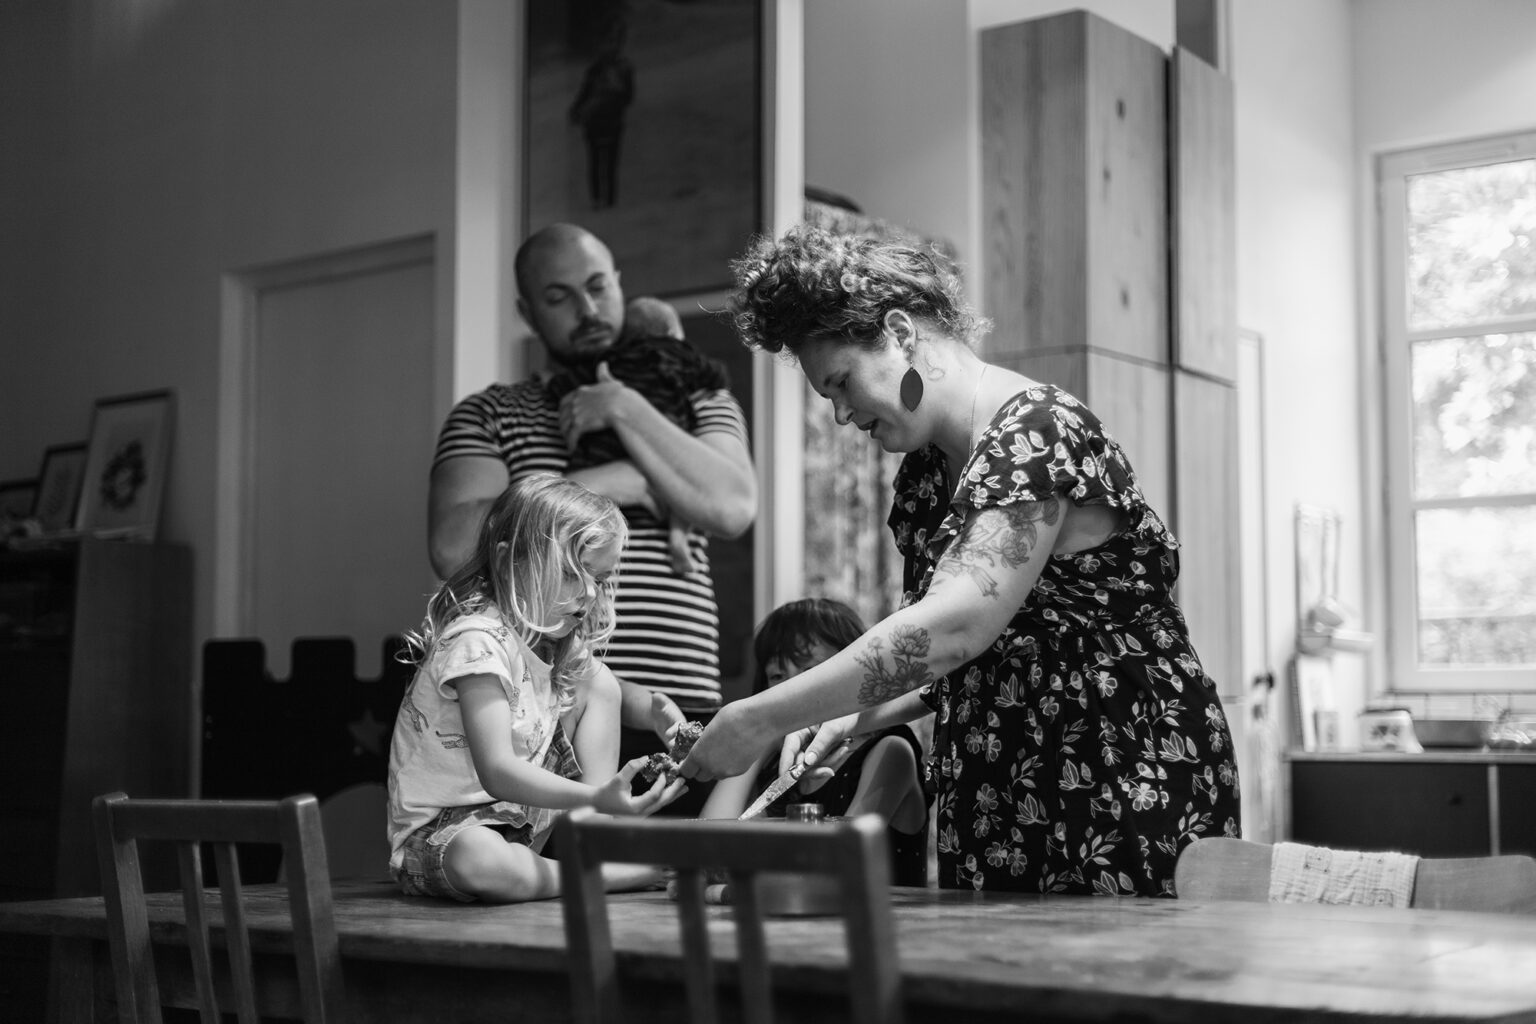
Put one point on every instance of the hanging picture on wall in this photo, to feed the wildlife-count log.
(17, 498)
(643, 125)
(125, 466)
(58, 487)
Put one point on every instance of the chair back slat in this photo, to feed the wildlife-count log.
(314, 925)
(854, 852)
(237, 934)
(293, 824)
(594, 994)
(698, 962)
(751, 949)
(133, 960)
(190, 865)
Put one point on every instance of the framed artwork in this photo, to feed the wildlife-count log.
(125, 466)
(58, 487)
(643, 125)
(17, 498)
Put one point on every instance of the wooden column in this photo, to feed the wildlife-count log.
(1108, 213)
(1074, 212)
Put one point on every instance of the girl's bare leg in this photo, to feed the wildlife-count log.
(481, 863)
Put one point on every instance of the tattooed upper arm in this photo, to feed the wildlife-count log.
(997, 540)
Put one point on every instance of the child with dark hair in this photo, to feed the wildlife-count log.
(878, 772)
(652, 357)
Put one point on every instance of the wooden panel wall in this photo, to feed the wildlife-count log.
(1203, 218)
(1205, 482)
(1074, 188)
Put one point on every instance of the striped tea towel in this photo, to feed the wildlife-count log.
(1315, 874)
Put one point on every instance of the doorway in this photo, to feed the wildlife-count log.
(327, 428)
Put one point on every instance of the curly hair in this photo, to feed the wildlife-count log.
(812, 285)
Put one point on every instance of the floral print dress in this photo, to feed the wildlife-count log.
(1086, 747)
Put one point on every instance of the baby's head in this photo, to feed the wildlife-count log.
(799, 635)
(648, 317)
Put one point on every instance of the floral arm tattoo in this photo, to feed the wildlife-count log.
(1006, 540)
(908, 671)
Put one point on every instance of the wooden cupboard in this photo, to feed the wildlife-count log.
(1108, 209)
(1435, 804)
(95, 664)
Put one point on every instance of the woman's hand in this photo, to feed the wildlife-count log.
(731, 742)
(824, 748)
(614, 796)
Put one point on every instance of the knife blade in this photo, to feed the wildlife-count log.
(775, 790)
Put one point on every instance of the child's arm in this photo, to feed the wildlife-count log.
(594, 726)
(506, 776)
(731, 794)
(890, 786)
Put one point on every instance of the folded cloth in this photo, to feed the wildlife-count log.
(1315, 874)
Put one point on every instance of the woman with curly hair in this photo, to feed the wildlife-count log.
(1079, 744)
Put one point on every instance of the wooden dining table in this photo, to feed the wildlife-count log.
(972, 957)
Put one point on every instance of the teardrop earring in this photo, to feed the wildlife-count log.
(911, 389)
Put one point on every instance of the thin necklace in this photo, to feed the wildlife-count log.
(974, 395)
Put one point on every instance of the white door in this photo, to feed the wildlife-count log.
(340, 432)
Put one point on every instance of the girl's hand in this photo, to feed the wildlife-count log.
(666, 718)
(614, 796)
(824, 747)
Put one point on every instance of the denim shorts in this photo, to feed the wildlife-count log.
(421, 870)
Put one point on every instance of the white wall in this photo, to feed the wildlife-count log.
(885, 84)
(1427, 72)
(153, 146)
(1297, 243)
(1297, 286)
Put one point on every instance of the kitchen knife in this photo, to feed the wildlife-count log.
(775, 790)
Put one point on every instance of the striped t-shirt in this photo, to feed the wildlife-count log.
(667, 629)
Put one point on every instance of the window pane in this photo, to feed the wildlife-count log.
(1472, 244)
(1477, 586)
(1474, 416)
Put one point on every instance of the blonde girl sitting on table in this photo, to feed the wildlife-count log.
(878, 772)
(510, 717)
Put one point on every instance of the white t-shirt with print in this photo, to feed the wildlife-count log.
(430, 768)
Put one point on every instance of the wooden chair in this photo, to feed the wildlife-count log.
(854, 852)
(293, 824)
(1237, 869)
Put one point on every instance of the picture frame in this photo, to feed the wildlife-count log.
(58, 487)
(127, 457)
(643, 123)
(17, 498)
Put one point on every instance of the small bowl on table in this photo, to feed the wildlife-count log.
(1452, 733)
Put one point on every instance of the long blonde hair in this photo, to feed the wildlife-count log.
(533, 538)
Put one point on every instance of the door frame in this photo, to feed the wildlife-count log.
(241, 293)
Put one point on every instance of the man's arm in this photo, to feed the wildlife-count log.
(461, 490)
(707, 480)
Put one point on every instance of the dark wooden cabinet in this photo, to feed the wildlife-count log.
(1516, 808)
(95, 669)
(1434, 805)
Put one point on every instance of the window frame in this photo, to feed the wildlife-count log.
(1393, 169)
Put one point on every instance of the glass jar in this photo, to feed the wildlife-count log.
(1513, 731)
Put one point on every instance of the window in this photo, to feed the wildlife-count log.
(1459, 333)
